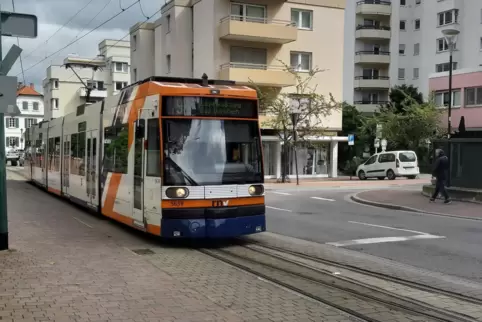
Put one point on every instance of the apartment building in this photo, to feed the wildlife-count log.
(63, 89)
(31, 106)
(250, 40)
(396, 42)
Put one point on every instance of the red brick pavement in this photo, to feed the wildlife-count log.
(415, 200)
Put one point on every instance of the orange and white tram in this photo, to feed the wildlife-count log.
(175, 157)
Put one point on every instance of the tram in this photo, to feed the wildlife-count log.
(174, 157)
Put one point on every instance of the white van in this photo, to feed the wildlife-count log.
(390, 164)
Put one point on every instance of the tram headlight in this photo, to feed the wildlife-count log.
(256, 190)
(177, 192)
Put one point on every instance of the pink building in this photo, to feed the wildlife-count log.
(466, 96)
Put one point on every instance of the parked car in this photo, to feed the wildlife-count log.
(390, 164)
(13, 156)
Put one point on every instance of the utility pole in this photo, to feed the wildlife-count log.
(11, 25)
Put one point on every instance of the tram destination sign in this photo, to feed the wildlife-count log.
(209, 107)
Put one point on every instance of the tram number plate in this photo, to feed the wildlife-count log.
(177, 203)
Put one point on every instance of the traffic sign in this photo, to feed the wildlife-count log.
(351, 139)
(18, 25)
(8, 94)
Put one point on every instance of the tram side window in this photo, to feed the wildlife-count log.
(57, 154)
(51, 149)
(38, 153)
(153, 168)
(116, 148)
(77, 166)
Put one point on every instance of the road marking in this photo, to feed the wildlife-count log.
(281, 193)
(387, 227)
(83, 223)
(280, 209)
(325, 199)
(379, 240)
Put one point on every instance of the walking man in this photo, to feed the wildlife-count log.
(440, 170)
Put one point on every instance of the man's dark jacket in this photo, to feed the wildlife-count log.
(441, 167)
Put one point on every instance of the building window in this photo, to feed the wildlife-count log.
(24, 105)
(35, 106)
(168, 64)
(402, 25)
(248, 12)
(30, 122)
(403, 2)
(135, 74)
(303, 19)
(56, 84)
(121, 67)
(401, 49)
(120, 85)
(168, 23)
(134, 42)
(417, 24)
(301, 62)
(99, 85)
(448, 17)
(442, 45)
(416, 49)
(12, 122)
(445, 67)
(370, 98)
(415, 73)
(473, 96)
(12, 141)
(54, 103)
(442, 98)
(370, 73)
(418, 1)
(401, 73)
(246, 57)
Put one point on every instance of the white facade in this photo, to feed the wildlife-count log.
(414, 52)
(64, 91)
(243, 41)
(31, 108)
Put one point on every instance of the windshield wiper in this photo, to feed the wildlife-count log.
(178, 168)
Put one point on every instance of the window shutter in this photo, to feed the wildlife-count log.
(16, 123)
(26, 123)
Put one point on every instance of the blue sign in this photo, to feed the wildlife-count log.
(351, 139)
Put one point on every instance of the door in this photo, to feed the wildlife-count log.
(66, 165)
(376, 49)
(91, 169)
(370, 166)
(139, 159)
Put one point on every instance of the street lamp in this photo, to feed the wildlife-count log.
(450, 36)
(295, 114)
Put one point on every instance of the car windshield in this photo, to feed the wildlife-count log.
(211, 152)
(407, 157)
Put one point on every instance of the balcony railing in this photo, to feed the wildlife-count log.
(252, 66)
(385, 3)
(373, 52)
(372, 27)
(373, 77)
(371, 102)
(258, 20)
(263, 74)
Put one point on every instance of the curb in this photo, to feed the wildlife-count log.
(359, 200)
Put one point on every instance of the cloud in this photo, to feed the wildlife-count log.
(52, 14)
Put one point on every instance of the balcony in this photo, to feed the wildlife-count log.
(372, 82)
(372, 57)
(257, 30)
(369, 106)
(95, 93)
(262, 75)
(372, 32)
(374, 8)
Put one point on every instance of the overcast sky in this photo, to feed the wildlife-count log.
(52, 14)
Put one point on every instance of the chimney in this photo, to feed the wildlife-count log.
(32, 86)
(19, 85)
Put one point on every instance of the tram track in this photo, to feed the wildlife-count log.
(355, 300)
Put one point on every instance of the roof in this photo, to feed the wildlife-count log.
(27, 90)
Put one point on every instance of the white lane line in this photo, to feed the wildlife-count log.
(379, 240)
(280, 209)
(386, 227)
(83, 223)
(325, 199)
(281, 193)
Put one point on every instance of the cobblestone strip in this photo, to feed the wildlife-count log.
(372, 263)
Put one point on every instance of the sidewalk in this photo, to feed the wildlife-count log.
(345, 182)
(416, 202)
(67, 265)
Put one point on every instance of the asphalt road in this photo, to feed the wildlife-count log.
(448, 245)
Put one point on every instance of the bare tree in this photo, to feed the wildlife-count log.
(302, 108)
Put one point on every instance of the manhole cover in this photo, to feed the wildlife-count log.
(143, 251)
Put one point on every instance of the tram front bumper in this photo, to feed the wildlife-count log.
(213, 222)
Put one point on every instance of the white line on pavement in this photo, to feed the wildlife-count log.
(83, 223)
(280, 209)
(281, 193)
(386, 227)
(325, 199)
(379, 240)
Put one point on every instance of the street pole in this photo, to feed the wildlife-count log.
(294, 120)
(449, 125)
(3, 171)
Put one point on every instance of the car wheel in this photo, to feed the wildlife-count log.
(362, 175)
(381, 178)
(391, 175)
